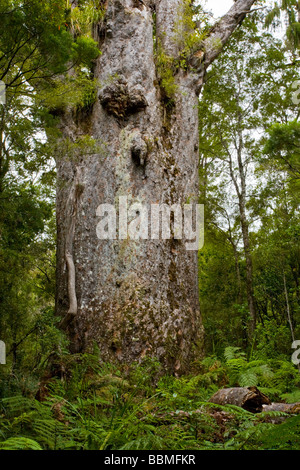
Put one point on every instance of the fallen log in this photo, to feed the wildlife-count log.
(289, 409)
(293, 408)
(248, 398)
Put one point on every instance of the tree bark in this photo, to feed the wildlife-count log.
(249, 398)
(134, 297)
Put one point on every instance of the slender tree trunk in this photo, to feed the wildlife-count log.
(134, 298)
(288, 310)
(249, 269)
(238, 274)
(242, 193)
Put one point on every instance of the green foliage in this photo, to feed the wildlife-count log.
(285, 436)
(81, 18)
(97, 406)
(188, 38)
(85, 51)
(20, 443)
(35, 42)
(166, 67)
(272, 340)
(77, 92)
(289, 9)
(38, 47)
(246, 112)
(52, 400)
(292, 397)
(190, 30)
(267, 436)
(283, 146)
(272, 376)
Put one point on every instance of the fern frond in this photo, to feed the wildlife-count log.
(233, 352)
(248, 378)
(20, 443)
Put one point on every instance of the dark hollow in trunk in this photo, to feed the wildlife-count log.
(248, 398)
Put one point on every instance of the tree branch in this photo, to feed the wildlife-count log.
(223, 29)
(220, 33)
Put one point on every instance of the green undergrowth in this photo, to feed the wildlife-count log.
(93, 405)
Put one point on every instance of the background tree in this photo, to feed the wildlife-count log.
(35, 48)
(248, 92)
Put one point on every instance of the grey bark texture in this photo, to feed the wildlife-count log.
(293, 408)
(134, 298)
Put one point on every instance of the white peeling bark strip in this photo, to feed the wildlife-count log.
(71, 284)
(72, 206)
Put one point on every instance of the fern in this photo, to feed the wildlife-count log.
(20, 443)
(291, 397)
(148, 442)
(99, 407)
(16, 405)
(232, 352)
(248, 378)
(285, 436)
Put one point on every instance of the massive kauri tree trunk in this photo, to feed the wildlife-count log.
(134, 298)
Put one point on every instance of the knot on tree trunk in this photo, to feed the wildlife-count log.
(138, 149)
(118, 99)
